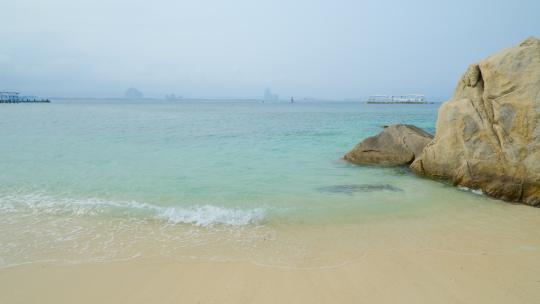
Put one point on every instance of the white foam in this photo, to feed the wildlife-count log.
(209, 215)
(199, 215)
(475, 191)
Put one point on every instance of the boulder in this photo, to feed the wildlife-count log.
(488, 133)
(395, 145)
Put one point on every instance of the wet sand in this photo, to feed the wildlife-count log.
(469, 258)
(397, 277)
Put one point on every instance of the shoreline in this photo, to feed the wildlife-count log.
(442, 258)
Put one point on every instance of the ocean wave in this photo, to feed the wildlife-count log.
(475, 191)
(198, 215)
(209, 215)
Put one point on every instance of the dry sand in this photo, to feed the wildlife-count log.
(399, 277)
(475, 257)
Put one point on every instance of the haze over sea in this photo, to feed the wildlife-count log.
(100, 180)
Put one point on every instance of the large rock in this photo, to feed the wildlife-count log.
(488, 134)
(395, 145)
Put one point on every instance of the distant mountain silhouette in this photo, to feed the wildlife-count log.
(133, 93)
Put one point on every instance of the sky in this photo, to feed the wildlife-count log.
(235, 49)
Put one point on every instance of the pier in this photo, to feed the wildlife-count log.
(15, 97)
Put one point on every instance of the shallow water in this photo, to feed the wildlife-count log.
(101, 180)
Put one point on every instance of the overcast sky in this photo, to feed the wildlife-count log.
(236, 48)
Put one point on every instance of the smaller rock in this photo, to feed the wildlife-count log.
(396, 145)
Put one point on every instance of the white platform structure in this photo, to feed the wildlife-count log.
(409, 98)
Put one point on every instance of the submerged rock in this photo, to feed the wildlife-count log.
(395, 145)
(488, 133)
(350, 189)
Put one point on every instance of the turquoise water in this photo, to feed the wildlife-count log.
(244, 156)
(72, 170)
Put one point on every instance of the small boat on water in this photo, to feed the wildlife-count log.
(15, 97)
(397, 99)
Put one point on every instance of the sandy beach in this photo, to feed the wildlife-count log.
(303, 152)
(413, 260)
(392, 277)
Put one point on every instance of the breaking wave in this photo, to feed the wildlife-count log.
(199, 215)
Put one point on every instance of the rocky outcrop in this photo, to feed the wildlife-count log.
(488, 133)
(395, 145)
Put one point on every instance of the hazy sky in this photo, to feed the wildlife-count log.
(236, 48)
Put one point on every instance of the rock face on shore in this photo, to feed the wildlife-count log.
(395, 145)
(488, 133)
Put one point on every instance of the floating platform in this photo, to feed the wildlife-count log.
(398, 99)
(399, 102)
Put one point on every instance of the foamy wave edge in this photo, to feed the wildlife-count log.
(200, 215)
(475, 191)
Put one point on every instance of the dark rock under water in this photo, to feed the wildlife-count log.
(354, 188)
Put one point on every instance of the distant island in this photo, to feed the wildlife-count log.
(133, 93)
(173, 97)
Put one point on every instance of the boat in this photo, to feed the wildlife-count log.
(397, 99)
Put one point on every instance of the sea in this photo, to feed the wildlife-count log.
(106, 180)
